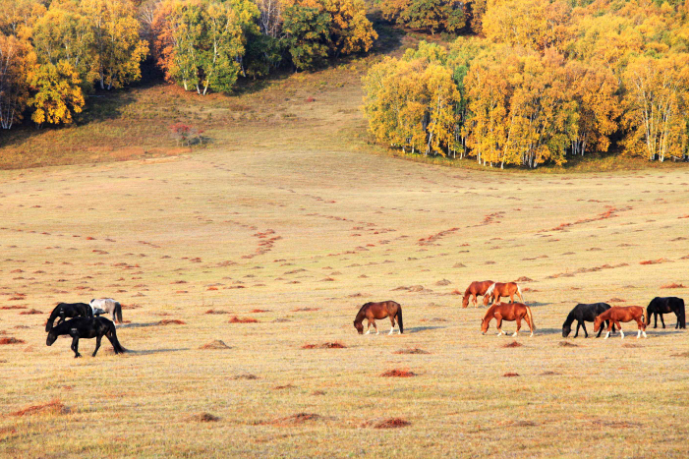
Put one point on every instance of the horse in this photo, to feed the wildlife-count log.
(660, 306)
(68, 310)
(509, 312)
(107, 305)
(83, 327)
(499, 289)
(474, 289)
(618, 314)
(373, 311)
(584, 313)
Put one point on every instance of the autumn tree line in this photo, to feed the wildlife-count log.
(54, 53)
(537, 81)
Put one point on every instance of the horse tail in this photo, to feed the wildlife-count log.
(399, 319)
(521, 295)
(528, 312)
(115, 342)
(683, 320)
(51, 319)
(118, 311)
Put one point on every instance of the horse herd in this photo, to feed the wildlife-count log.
(601, 314)
(85, 320)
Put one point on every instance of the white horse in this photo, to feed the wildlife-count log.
(107, 305)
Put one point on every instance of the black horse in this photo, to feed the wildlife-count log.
(660, 306)
(68, 310)
(83, 327)
(584, 313)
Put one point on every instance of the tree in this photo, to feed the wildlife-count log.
(655, 106)
(117, 49)
(306, 35)
(58, 93)
(350, 29)
(433, 15)
(16, 59)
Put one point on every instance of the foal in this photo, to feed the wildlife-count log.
(474, 289)
(499, 289)
(618, 314)
(82, 327)
(509, 312)
(373, 311)
(63, 310)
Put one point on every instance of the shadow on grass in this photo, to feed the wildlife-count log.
(155, 351)
(420, 329)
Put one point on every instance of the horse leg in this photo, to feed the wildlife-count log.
(392, 324)
(474, 300)
(642, 328)
(583, 325)
(98, 338)
(511, 297)
(519, 325)
(368, 328)
(619, 327)
(376, 327)
(499, 325)
(655, 320)
(610, 326)
(577, 332)
(662, 320)
(75, 346)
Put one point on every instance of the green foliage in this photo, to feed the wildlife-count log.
(306, 34)
(432, 15)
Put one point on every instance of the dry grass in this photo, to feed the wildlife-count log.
(310, 180)
(54, 406)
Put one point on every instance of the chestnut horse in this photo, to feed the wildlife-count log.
(499, 289)
(474, 289)
(373, 311)
(509, 312)
(618, 314)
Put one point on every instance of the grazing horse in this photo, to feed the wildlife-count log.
(474, 289)
(509, 312)
(660, 306)
(584, 313)
(373, 311)
(618, 314)
(82, 327)
(107, 305)
(68, 310)
(499, 289)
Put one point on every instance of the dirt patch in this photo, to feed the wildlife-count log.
(510, 375)
(397, 373)
(443, 282)
(217, 344)
(30, 312)
(631, 345)
(390, 423)
(524, 279)
(283, 387)
(654, 262)
(171, 322)
(333, 345)
(550, 373)
(671, 285)
(616, 300)
(242, 320)
(54, 406)
(13, 307)
(567, 344)
(246, 376)
(411, 350)
(617, 424)
(512, 344)
(203, 417)
(216, 311)
(257, 311)
(295, 419)
(11, 340)
(305, 309)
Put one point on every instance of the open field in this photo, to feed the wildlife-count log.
(308, 235)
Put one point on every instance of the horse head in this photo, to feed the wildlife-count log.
(359, 327)
(465, 301)
(52, 336)
(566, 330)
(484, 325)
(597, 323)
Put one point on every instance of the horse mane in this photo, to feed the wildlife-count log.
(53, 316)
(491, 288)
(570, 317)
(361, 310)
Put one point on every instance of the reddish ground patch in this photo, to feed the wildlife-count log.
(216, 311)
(246, 376)
(13, 307)
(305, 309)
(30, 312)
(524, 279)
(510, 375)
(295, 419)
(217, 344)
(512, 344)
(616, 300)
(11, 340)
(243, 320)
(54, 406)
(412, 350)
(397, 373)
(654, 262)
(257, 311)
(607, 214)
(212, 288)
(671, 285)
(286, 386)
(334, 345)
(567, 344)
(171, 322)
(392, 423)
(203, 417)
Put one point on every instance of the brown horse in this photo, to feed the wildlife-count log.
(474, 289)
(618, 314)
(499, 289)
(509, 312)
(373, 311)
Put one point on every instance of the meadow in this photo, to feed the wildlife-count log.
(269, 238)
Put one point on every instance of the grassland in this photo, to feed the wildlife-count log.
(286, 210)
